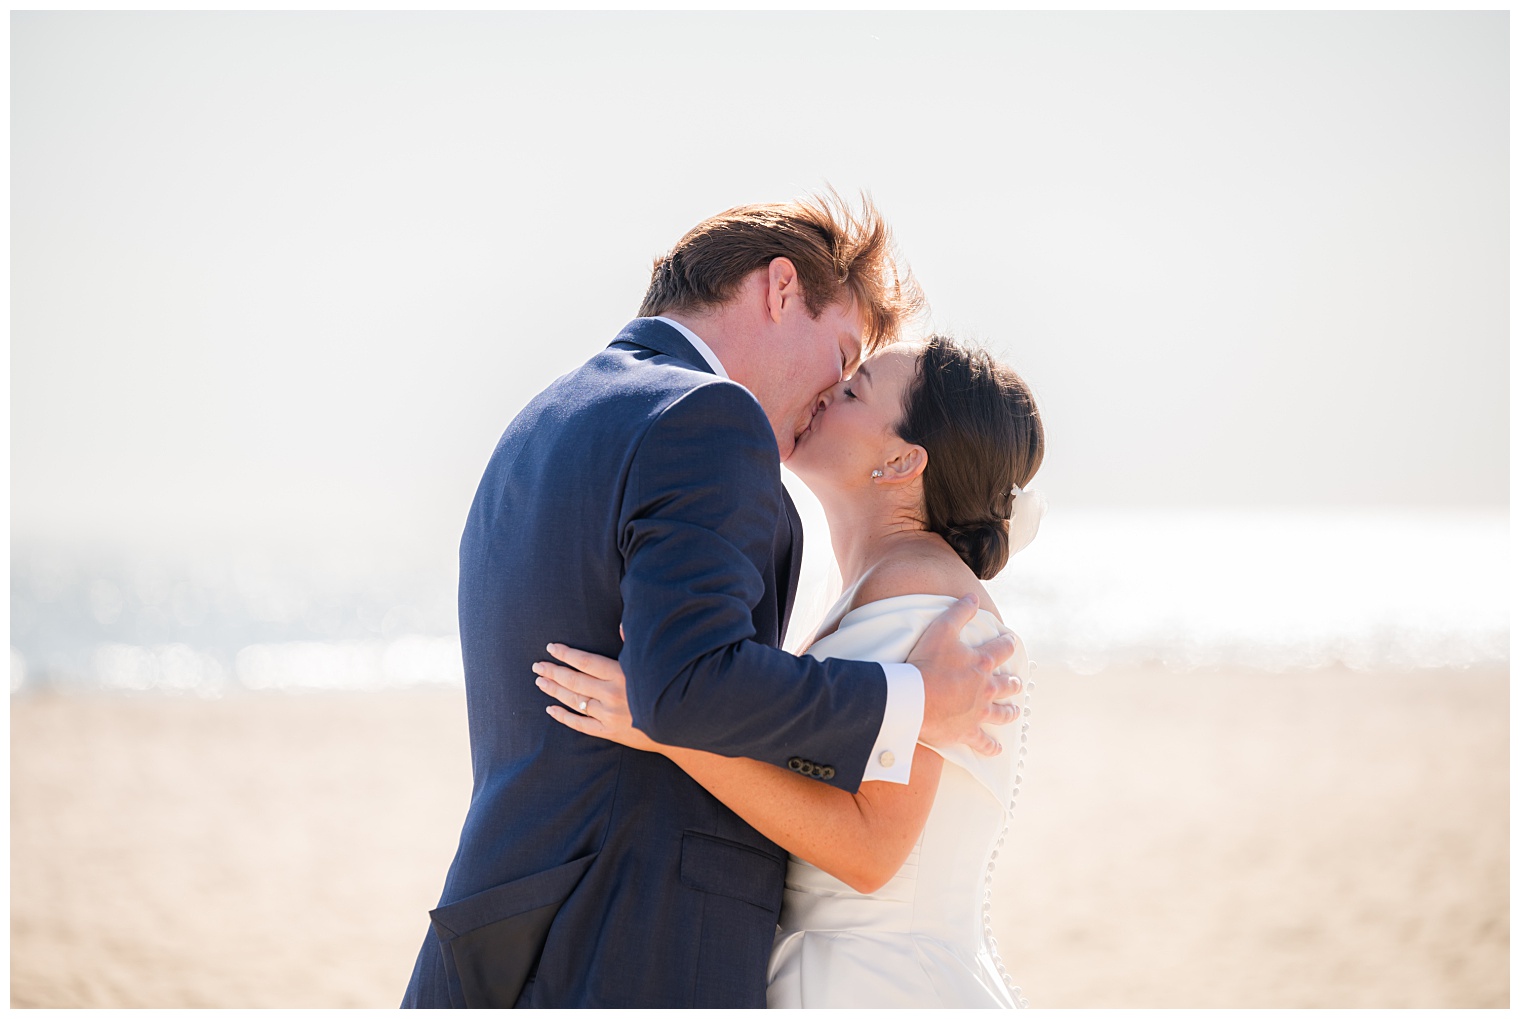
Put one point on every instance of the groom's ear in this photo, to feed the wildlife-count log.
(783, 291)
(909, 463)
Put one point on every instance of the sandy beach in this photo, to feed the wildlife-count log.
(1325, 839)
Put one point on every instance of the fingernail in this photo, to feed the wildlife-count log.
(551, 649)
(538, 667)
(540, 684)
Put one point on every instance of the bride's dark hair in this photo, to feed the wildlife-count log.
(979, 424)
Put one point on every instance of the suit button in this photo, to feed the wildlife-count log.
(815, 771)
(796, 764)
(887, 759)
(827, 772)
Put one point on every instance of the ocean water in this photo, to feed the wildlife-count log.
(1187, 590)
(1266, 591)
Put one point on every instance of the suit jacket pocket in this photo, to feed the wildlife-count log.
(492, 940)
(721, 867)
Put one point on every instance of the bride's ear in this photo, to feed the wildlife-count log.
(908, 464)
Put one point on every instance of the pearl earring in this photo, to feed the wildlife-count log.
(876, 473)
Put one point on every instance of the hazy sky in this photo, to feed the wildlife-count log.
(298, 271)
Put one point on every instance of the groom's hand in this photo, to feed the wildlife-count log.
(960, 686)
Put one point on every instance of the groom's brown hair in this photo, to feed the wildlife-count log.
(837, 252)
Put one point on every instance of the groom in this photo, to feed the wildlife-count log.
(642, 491)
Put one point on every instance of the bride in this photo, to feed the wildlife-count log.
(919, 461)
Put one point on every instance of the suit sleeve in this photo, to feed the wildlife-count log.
(696, 532)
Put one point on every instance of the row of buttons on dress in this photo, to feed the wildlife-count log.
(1018, 780)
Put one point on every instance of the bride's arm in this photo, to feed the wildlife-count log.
(861, 838)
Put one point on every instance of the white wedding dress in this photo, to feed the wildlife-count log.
(925, 938)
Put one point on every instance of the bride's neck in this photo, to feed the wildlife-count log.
(863, 532)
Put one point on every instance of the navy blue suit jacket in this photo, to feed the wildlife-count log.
(643, 490)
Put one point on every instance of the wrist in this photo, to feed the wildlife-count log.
(929, 733)
(934, 724)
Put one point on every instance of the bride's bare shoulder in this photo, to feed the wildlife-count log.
(915, 571)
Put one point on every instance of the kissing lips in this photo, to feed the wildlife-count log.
(806, 430)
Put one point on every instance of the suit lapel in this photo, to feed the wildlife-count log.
(791, 569)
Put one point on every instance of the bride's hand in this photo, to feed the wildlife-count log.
(594, 687)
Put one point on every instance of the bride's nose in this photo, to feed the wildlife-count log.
(828, 396)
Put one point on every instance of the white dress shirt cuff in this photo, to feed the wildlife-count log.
(892, 756)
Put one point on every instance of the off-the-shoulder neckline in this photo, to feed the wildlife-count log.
(946, 599)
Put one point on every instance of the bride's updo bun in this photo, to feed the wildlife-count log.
(978, 422)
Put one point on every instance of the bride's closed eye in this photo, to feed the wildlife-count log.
(849, 392)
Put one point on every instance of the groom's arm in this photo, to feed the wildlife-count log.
(901, 720)
(701, 506)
